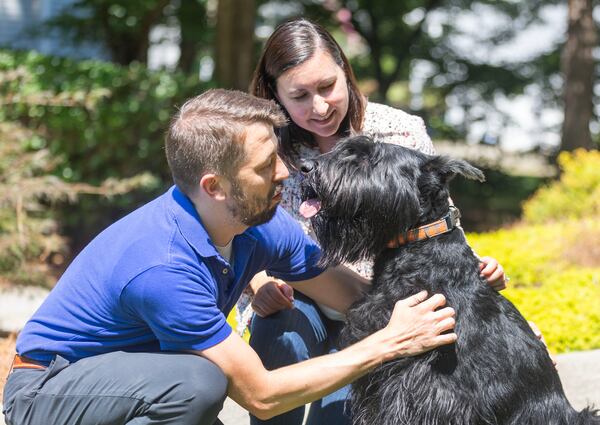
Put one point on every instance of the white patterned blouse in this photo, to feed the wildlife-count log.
(389, 125)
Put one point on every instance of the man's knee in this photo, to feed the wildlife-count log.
(285, 349)
(201, 389)
(201, 376)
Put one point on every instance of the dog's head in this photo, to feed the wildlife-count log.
(362, 194)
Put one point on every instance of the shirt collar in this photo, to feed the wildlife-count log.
(191, 227)
(189, 223)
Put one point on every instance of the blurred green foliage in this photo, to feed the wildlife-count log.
(553, 255)
(103, 120)
(551, 284)
(576, 194)
(496, 202)
(26, 232)
(31, 247)
(107, 120)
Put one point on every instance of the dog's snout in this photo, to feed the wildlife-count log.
(307, 165)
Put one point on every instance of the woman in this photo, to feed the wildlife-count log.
(305, 71)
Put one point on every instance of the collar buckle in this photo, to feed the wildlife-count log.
(452, 218)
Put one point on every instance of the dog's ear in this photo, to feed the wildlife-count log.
(449, 167)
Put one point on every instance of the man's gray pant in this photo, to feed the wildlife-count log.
(117, 388)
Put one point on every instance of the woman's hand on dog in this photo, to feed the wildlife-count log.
(419, 324)
(493, 273)
(271, 295)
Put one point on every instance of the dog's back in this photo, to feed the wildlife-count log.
(498, 372)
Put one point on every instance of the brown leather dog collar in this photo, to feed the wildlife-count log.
(443, 225)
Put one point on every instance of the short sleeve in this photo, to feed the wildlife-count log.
(292, 255)
(179, 306)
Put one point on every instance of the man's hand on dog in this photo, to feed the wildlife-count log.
(419, 324)
(493, 273)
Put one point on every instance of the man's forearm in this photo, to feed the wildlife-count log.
(417, 324)
(295, 385)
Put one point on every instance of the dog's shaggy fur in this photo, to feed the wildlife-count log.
(497, 372)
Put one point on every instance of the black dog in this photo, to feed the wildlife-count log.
(366, 199)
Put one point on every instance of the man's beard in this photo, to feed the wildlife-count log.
(251, 211)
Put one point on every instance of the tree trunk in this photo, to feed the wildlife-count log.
(193, 27)
(234, 43)
(578, 70)
(127, 46)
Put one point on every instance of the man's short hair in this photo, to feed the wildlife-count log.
(206, 134)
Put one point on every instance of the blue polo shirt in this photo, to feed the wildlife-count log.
(154, 281)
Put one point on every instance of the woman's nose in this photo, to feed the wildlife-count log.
(320, 106)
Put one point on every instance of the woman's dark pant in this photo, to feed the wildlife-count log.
(117, 388)
(291, 336)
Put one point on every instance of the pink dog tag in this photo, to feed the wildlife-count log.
(309, 208)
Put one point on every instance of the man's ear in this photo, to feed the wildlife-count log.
(213, 186)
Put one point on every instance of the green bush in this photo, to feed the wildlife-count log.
(553, 255)
(565, 307)
(103, 120)
(494, 203)
(106, 120)
(31, 245)
(576, 194)
(552, 283)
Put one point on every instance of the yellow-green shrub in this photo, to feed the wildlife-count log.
(548, 283)
(576, 194)
(232, 320)
(565, 307)
(553, 256)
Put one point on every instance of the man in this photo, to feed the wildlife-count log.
(135, 330)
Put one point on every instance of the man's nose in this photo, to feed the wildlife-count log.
(281, 170)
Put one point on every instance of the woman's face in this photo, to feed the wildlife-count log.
(315, 94)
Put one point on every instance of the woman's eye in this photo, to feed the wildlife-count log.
(300, 96)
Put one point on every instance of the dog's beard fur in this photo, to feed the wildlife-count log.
(349, 206)
(497, 372)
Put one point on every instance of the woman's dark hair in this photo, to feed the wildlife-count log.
(291, 44)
